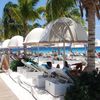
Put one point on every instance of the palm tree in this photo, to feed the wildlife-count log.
(62, 8)
(92, 8)
(9, 24)
(25, 12)
(1, 30)
(19, 16)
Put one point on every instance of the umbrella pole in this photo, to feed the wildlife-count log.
(38, 54)
(70, 47)
(58, 50)
(85, 46)
(64, 55)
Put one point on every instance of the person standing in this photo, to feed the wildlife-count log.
(5, 62)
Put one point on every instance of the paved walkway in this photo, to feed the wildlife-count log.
(5, 92)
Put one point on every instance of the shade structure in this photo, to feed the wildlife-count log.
(16, 41)
(34, 36)
(64, 29)
(0, 45)
(5, 43)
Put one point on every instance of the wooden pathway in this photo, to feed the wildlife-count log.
(5, 92)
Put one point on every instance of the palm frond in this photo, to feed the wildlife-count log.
(41, 9)
(57, 8)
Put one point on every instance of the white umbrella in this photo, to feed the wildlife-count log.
(34, 36)
(5, 43)
(64, 29)
(16, 41)
(0, 45)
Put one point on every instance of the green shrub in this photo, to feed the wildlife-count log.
(14, 64)
(86, 87)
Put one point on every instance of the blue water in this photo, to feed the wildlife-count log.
(50, 49)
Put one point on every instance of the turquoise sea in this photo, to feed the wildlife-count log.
(50, 49)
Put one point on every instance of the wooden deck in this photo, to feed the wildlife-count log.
(5, 92)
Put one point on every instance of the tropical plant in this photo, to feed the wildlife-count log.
(15, 63)
(25, 12)
(10, 28)
(86, 87)
(1, 30)
(62, 8)
(92, 8)
(22, 16)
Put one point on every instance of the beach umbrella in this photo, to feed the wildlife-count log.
(64, 29)
(15, 42)
(0, 45)
(5, 43)
(34, 37)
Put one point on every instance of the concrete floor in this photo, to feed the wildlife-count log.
(5, 92)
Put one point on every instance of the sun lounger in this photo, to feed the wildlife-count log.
(31, 65)
(49, 71)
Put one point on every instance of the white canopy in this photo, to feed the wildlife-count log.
(0, 45)
(5, 43)
(34, 36)
(64, 30)
(16, 41)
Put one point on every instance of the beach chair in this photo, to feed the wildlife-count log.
(77, 70)
(49, 70)
(30, 65)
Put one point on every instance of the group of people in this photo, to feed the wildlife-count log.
(67, 68)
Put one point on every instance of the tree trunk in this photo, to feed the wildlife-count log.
(25, 33)
(91, 39)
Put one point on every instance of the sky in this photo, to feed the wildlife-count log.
(43, 2)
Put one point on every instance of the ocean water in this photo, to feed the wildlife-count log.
(50, 49)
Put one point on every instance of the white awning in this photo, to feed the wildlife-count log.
(34, 36)
(5, 43)
(16, 41)
(64, 30)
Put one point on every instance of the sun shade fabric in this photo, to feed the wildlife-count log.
(5, 43)
(34, 36)
(16, 41)
(58, 31)
(64, 29)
